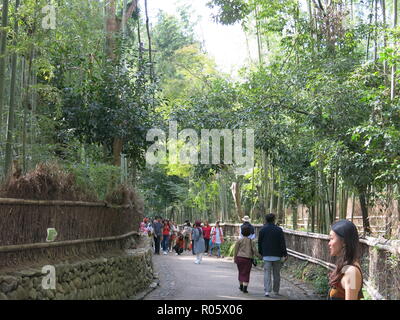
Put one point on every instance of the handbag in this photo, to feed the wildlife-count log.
(253, 261)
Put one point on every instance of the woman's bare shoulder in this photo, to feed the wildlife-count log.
(351, 272)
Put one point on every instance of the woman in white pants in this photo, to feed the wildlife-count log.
(198, 242)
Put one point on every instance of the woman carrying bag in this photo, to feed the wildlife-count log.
(244, 253)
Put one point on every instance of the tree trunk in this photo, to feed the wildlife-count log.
(369, 32)
(252, 202)
(393, 79)
(117, 150)
(279, 204)
(364, 210)
(385, 65)
(312, 209)
(343, 203)
(11, 112)
(112, 29)
(294, 217)
(376, 31)
(334, 197)
(149, 39)
(271, 203)
(310, 15)
(3, 50)
(259, 44)
(235, 188)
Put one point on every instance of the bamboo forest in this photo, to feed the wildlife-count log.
(114, 113)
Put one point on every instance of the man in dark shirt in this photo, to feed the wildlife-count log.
(272, 247)
(157, 227)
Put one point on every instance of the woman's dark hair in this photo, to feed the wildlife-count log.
(246, 231)
(348, 233)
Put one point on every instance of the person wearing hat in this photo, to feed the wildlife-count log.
(247, 224)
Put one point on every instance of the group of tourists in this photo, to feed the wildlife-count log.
(198, 238)
(345, 281)
(164, 232)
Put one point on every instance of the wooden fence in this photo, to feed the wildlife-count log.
(380, 260)
(83, 229)
(384, 218)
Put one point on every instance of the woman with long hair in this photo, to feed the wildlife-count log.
(346, 280)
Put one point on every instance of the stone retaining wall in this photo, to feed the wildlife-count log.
(116, 275)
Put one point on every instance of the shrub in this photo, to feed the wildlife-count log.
(100, 179)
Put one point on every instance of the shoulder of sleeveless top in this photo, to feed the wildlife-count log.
(351, 265)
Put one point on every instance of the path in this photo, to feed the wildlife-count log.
(214, 279)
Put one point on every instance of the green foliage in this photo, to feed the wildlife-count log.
(227, 248)
(309, 272)
(230, 11)
(99, 179)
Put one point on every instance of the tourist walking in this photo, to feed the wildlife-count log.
(173, 235)
(191, 237)
(165, 233)
(217, 237)
(198, 242)
(206, 235)
(272, 247)
(246, 220)
(346, 280)
(187, 231)
(157, 229)
(244, 253)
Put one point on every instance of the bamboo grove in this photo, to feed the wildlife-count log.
(83, 84)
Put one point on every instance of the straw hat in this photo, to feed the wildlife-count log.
(246, 219)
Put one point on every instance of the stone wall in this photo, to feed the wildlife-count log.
(113, 275)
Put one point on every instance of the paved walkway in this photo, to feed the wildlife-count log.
(215, 279)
